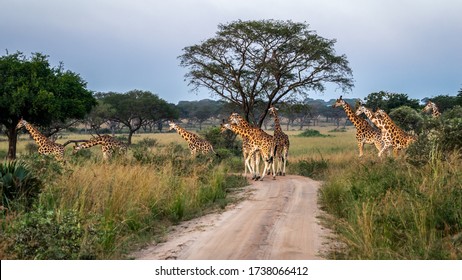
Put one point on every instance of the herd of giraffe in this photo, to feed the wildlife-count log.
(386, 134)
(48, 147)
(256, 143)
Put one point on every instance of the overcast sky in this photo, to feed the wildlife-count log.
(403, 46)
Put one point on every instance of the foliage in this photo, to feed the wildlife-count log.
(391, 210)
(407, 118)
(135, 108)
(440, 137)
(19, 186)
(200, 111)
(312, 133)
(226, 140)
(253, 63)
(31, 88)
(47, 235)
(388, 101)
(445, 102)
(312, 168)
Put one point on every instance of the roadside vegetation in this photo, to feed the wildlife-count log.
(404, 208)
(94, 210)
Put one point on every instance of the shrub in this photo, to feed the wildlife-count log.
(407, 118)
(47, 234)
(440, 138)
(19, 186)
(312, 133)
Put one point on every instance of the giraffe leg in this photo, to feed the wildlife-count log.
(378, 145)
(385, 148)
(257, 165)
(264, 170)
(249, 165)
(360, 146)
(286, 155)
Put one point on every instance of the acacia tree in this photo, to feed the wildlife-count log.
(264, 61)
(136, 107)
(41, 94)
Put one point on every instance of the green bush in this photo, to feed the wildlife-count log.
(19, 186)
(440, 138)
(47, 235)
(312, 133)
(310, 168)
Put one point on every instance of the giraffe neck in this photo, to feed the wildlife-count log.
(378, 122)
(239, 130)
(90, 143)
(277, 125)
(355, 119)
(435, 112)
(38, 137)
(186, 135)
(243, 123)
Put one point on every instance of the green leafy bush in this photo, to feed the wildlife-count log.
(19, 186)
(47, 235)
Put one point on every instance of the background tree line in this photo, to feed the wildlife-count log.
(248, 65)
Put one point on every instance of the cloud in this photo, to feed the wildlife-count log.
(406, 46)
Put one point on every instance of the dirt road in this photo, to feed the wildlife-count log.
(278, 220)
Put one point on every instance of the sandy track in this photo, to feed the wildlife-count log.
(277, 221)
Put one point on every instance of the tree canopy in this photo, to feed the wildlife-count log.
(251, 62)
(135, 108)
(388, 101)
(32, 89)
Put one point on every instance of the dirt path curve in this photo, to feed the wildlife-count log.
(278, 220)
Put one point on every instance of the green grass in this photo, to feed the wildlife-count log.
(378, 208)
(391, 210)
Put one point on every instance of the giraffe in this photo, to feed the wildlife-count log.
(108, 145)
(247, 147)
(392, 135)
(45, 146)
(432, 107)
(365, 133)
(258, 141)
(195, 143)
(282, 143)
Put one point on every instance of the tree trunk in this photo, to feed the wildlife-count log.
(130, 134)
(12, 139)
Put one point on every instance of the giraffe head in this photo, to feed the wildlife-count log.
(428, 107)
(361, 109)
(380, 113)
(172, 125)
(224, 127)
(433, 108)
(22, 123)
(235, 118)
(76, 148)
(339, 102)
(273, 111)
